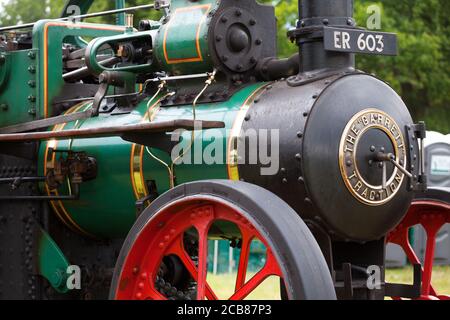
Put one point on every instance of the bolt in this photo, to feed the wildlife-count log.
(238, 12)
(31, 98)
(299, 134)
(32, 111)
(4, 106)
(252, 22)
(219, 38)
(372, 149)
(252, 60)
(224, 58)
(305, 114)
(258, 42)
(32, 69)
(239, 67)
(32, 83)
(224, 19)
(298, 156)
(32, 55)
(325, 21)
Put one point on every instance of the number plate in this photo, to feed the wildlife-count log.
(360, 41)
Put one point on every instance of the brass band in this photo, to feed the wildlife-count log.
(233, 139)
(354, 181)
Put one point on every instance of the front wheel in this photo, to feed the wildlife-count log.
(165, 255)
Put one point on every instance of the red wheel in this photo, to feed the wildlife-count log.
(432, 212)
(166, 253)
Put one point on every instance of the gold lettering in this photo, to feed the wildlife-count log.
(358, 186)
(352, 176)
(351, 139)
(393, 187)
(355, 130)
(348, 149)
(373, 118)
(398, 178)
(387, 123)
(365, 120)
(380, 119)
(372, 195)
(394, 130)
(365, 193)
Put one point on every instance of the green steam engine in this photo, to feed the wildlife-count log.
(122, 156)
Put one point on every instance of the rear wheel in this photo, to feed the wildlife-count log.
(165, 255)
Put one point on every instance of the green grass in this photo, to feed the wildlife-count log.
(223, 285)
(440, 278)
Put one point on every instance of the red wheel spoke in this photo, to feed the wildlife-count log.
(270, 269)
(243, 259)
(202, 262)
(177, 249)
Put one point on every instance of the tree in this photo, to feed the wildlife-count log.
(420, 74)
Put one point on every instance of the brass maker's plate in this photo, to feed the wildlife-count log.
(363, 121)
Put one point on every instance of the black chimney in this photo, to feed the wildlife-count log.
(313, 16)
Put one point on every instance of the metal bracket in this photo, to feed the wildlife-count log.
(419, 182)
(405, 290)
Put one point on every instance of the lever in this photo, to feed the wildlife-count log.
(389, 157)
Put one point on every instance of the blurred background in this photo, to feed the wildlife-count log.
(420, 74)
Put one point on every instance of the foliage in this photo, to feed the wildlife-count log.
(420, 74)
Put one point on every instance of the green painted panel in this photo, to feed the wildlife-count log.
(53, 264)
(182, 43)
(107, 204)
(18, 93)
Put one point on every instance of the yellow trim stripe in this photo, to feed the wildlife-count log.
(137, 156)
(197, 38)
(49, 162)
(232, 150)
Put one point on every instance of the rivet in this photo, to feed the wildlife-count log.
(219, 38)
(224, 58)
(305, 114)
(238, 12)
(298, 156)
(224, 19)
(325, 21)
(31, 98)
(258, 42)
(299, 134)
(285, 180)
(32, 83)
(372, 148)
(349, 163)
(301, 179)
(247, 117)
(252, 22)
(32, 69)
(4, 106)
(31, 54)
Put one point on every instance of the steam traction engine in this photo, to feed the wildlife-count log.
(96, 136)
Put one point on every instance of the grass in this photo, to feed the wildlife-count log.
(440, 277)
(223, 284)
